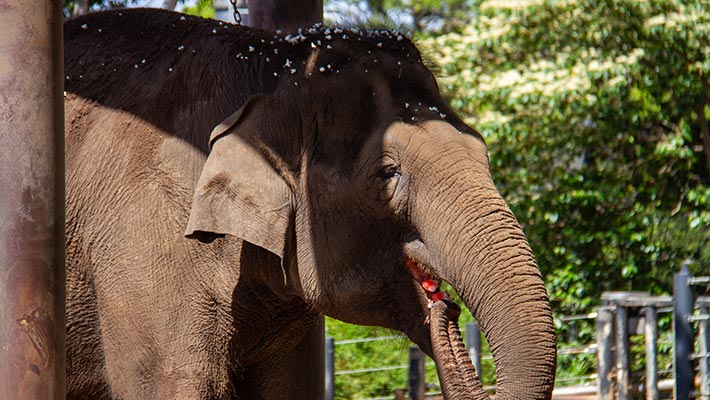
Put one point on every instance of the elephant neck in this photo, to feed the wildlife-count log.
(277, 332)
(270, 313)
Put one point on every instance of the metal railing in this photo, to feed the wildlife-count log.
(684, 318)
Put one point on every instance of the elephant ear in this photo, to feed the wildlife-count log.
(243, 189)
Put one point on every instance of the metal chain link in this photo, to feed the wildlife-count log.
(237, 14)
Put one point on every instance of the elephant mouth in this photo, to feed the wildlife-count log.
(430, 283)
(453, 363)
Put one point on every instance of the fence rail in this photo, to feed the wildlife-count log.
(621, 315)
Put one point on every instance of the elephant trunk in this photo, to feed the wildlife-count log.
(475, 243)
(457, 375)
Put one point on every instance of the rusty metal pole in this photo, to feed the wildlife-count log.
(31, 201)
(286, 15)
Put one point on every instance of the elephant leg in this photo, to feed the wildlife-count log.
(140, 364)
(162, 341)
(86, 369)
(294, 371)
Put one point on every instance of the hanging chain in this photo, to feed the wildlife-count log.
(237, 14)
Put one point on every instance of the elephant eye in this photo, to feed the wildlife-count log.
(389, 172)
(387, 181)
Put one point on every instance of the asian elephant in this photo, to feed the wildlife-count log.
(227, 186)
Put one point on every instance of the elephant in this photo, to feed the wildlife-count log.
(226, 187)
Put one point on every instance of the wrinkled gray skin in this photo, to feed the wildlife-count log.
(198, 264)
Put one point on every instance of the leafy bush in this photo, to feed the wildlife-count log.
(594, 112)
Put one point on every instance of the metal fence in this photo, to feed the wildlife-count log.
(624, 314)
(417, 386)
(621, 316)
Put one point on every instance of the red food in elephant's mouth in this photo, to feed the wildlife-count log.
(430, 284)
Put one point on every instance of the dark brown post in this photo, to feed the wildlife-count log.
(287, 15)
(31, 201)
(417, 373)
(316, 364)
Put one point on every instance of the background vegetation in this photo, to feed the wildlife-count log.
(596, 117)
(595, 113)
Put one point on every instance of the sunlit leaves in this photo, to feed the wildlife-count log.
(590, 109)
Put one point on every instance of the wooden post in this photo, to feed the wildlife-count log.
(286, 15)
(417, 374)
(31, 201)
(623, 375)
(651, 337)
(605, 340)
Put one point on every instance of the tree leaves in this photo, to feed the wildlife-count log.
(70, 5)
(590, 112)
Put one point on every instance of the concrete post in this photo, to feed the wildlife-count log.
(31, 201)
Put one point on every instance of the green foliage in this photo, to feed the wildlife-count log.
(595, 113)
(68, 5)
(203, 8)
(418, 15)
(354, 356)
(591, 112)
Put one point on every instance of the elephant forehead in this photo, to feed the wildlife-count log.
(404, 134)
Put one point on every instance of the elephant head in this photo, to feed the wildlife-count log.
(358, 175)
